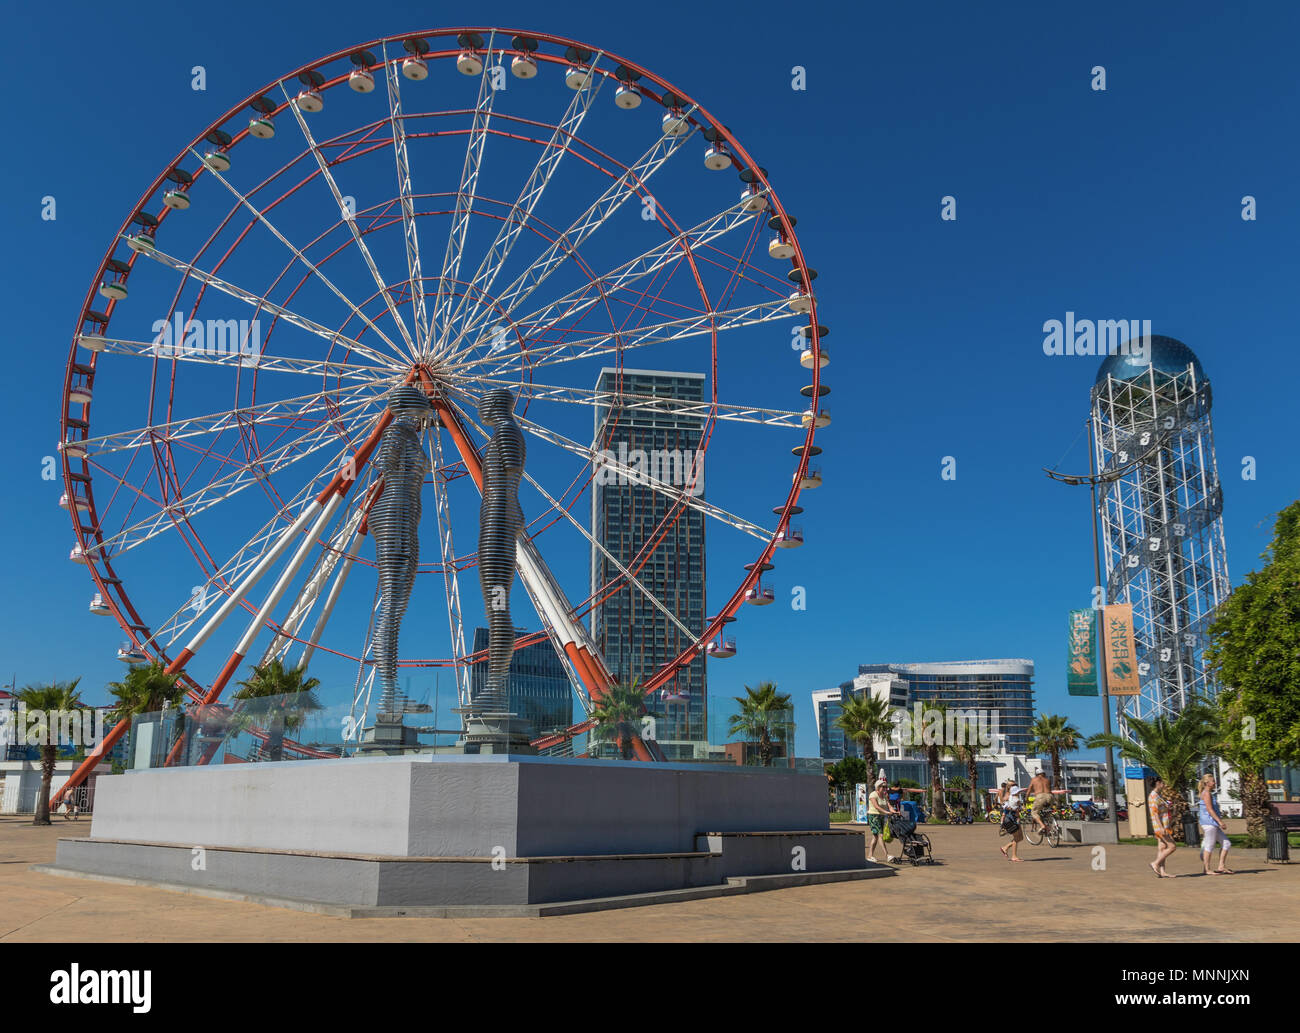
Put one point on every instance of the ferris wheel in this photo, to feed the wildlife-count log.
(459, 210)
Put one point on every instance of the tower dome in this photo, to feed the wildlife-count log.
(1168, 355)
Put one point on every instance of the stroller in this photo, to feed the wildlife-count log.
(915, 845)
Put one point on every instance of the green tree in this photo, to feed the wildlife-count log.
(618, 717)
(764, 718)
(864, 719)
(50, 699)
(1254, 650)
(1054, 735)
(1171, 747)
(1235, 748)
(850, 772)
(144, 690)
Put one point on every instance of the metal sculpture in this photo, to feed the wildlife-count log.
(501, 519)
(394, 521)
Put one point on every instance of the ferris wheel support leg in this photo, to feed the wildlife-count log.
(329, 500)
(260, 618)
(345, 567)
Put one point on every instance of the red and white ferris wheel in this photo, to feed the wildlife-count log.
(462, 210)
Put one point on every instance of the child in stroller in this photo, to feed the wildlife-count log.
(915, 845)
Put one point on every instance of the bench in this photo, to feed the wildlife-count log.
(1287, 813)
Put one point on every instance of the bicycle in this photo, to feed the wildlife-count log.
(1051, 826)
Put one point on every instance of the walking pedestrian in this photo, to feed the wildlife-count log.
(1162, 825)
(1010, 797)
(878, 809)
(1212, 827)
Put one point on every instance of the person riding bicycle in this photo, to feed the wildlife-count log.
(1041, 791)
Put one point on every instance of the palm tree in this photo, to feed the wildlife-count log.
(1053, 734)
(273, 679)
(968, 753)
(935, 749)
(1171, 747)
(50, 699)
(764, 718)
(618, 716)
(144, 690)
(863, 719)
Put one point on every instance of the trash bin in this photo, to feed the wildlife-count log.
(1278, 848)
(1191, 829)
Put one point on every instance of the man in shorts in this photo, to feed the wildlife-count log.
(1041, 790)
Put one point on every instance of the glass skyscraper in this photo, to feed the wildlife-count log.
(1003, 686)
(635, 637)
(539, 685)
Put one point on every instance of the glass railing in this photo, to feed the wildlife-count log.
(243, 731)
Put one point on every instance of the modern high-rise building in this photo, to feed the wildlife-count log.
(828, 704)
(656, 537)
(1002, 689)
(1160, 515)
(539, 684)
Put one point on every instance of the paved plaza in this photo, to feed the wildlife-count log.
(970, 893)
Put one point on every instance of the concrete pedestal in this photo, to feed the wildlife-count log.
(485, 831)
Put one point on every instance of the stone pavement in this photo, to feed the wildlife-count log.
(971, 893)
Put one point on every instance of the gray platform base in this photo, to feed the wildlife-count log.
(1088, 832)
(370, 880)
(730, 888)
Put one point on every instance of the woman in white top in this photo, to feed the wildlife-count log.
(1011, 801)
(878, 809)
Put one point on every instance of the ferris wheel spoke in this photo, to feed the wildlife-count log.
(223, 579)
(676, 407)
(351, 221)
(616, 341)
(613, 198)
(464, 203)
(227, 576)
(289, 410)
(170, 512)
(608, 461)
(263, 363)
(666, 253)
(259, 302)
(632, 578)
(558, 507)
(402, 160)
(225, 487)
(521, 211)
(329, 284)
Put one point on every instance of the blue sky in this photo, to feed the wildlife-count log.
(1117, 204)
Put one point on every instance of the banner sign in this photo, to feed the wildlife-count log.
(860, 808)
(1118, 659)
(1081, 661)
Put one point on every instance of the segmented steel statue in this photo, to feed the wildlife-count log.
(501, 519)
(394, 522)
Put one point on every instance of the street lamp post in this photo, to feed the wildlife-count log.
(1092, 480)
